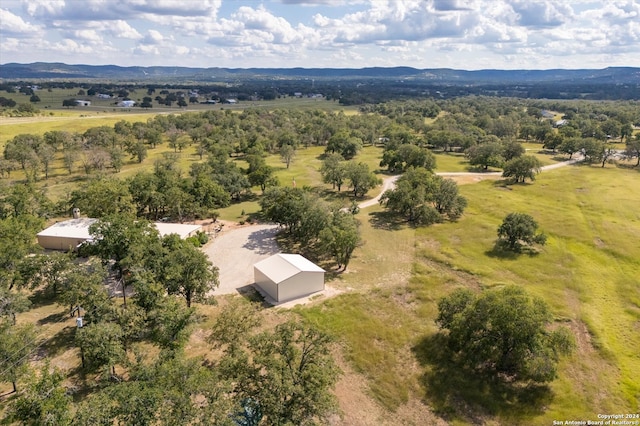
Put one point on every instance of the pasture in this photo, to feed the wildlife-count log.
(587, 273)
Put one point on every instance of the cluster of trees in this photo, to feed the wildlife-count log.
(424, 198)
(356, 175)
(163, 277)
(319, 229)
(484, 128)
(279, 376)
(164, 192)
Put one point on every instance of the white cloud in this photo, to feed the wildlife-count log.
(176, 7)
(121, 29)
(421, 33)
(153, 37)
(87, 36)
(545, 13)
(14, 24)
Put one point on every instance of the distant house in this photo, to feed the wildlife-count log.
(560, 123)
(230, 101)
(288, 276)
(297, 94)
(103, 96)
(546, 114)
(126, 104)
(80, 102)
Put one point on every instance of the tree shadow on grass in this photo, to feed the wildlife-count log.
(41, 297)
(59, 342)
(501, 250)
(456, 392)
(250, 293)
(386, 220)
(53, 318)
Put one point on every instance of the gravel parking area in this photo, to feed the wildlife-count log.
(235, 251)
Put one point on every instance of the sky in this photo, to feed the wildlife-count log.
(460, 34)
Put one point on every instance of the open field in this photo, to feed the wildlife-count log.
(587, 273)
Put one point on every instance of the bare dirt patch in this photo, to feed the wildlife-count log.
(357, 407)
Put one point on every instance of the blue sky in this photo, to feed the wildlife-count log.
(461, 34)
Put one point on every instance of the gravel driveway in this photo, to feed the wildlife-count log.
(235, 251)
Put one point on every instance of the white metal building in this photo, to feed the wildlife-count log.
(69, 234)
(66, 235)
(288, 276)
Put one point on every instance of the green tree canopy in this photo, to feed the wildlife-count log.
(360, 178)
(101, 346)
(521, 168)
(44, 401)
(16, 344)
(102, 197)
(424, 198)
(488, 154)
(518, 230)
(341, 237)
(504, 333)
(288, 373)
(186, 271)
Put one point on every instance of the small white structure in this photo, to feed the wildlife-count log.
(69, 234)
(126, 104)
(288, 276)
(80, 102)
(66, 235)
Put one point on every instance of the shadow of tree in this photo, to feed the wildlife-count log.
(501, 250)
(40, 297)
(55, 317)
(504, 183)
(457, 392)
(250, 293)
(262, 241)
(386, 220)
(59, 342)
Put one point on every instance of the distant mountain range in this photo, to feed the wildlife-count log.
(43, 70)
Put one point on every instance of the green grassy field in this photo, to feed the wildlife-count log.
(587, 273)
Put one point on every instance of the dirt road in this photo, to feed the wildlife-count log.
(389, 183)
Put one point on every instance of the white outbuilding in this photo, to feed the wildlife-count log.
(66, 235)
(288, 276)
(69, 234)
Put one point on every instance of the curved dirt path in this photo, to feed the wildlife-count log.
(389, 182)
